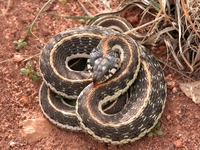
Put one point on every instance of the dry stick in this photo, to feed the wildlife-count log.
(25, 59)
(7, 60)
(30, 57)
(162, 12)
(144, 25)
(93, 6)
(175, 70)
(121, 2)
(171, 49)
(85, 10)
(152, 28)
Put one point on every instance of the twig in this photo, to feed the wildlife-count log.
(175, 70)
(144, 25)
(25, 59)
(83, 7)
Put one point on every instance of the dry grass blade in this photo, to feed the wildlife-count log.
(159, 35)
(189, 28)
(144, 25)
(172, 48)
(178, 8)
(166, 64)
(188, 17)
(83, 7)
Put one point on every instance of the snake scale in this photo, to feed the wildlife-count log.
(119, 98)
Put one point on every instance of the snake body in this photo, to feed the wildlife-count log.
(138, 86)
(61, 79)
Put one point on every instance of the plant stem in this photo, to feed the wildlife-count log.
(39, 13)
(73, 17)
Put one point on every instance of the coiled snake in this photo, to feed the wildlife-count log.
(119, 100)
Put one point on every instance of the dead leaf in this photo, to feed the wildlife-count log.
(191, 90)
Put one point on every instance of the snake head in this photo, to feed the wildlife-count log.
(103, 66)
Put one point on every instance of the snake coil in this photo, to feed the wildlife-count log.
(122, 109)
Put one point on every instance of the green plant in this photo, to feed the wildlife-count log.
(155, 130)
(19, 44)
(30, 71)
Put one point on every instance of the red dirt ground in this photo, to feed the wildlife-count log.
(19, 94)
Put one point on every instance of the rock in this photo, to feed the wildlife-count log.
(12, 144)
(177, 143)
(168, 117)
(35, 129)
(174, 90)
(24, 100)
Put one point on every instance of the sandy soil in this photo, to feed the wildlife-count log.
(19, 94)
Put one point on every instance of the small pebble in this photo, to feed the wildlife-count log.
(12, 144)
(24, 100)
(174, 90)
(177, 143)
(171, 83)
(168, 117)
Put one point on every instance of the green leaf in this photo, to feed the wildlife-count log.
(17, 45)
(155, 3)
(34, 77)
(81, 20)
(150, 134)
(159, 132)
(24, 43)
(28, 65)
(157, 125)
(15, 42)
(59, 97)
(24, 71)
(72, 102)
